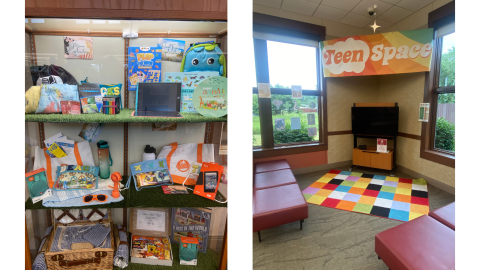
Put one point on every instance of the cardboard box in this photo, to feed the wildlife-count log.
(150, 223)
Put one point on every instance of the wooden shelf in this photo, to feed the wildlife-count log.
(123, 117)
(147, 197)
(371, 158)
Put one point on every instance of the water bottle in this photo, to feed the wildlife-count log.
(103, 159)
(149, 153)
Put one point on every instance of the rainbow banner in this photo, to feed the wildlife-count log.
(387, 53)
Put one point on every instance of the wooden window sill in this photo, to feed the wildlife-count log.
(285, 150)
(438, 157)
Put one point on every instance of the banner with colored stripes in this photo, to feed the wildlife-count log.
(387, 53)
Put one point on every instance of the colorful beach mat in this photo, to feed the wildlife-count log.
(378, 195)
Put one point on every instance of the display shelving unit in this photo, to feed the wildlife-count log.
(132, 198)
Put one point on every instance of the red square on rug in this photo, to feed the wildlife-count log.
(335, 171)
(403, 180)
(418, 200)
(330, 186)
(371, 193)
(329, 202)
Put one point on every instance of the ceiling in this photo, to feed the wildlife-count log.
(135, 26)
(351, 12)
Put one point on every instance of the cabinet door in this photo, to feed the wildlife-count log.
(381, 160)
(361, 158)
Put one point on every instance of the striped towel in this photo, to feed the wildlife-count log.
(121, 256)
(66, 236)
(39, 263)
(96, 235)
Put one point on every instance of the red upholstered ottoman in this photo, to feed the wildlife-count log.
(277, 206)
(273, 179)
(445, 215)
(423, 244)
(273, 165)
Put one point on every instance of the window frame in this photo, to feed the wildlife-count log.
(268, 147)
(436, 18)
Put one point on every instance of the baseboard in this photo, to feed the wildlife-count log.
(429, 180)
(321, 167)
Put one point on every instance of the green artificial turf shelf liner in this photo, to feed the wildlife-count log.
(205, 261)
(147, 197)
(122, 117)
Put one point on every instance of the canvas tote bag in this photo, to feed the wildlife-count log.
(180, 158)
(82, 156)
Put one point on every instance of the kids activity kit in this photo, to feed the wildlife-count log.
(150, 228)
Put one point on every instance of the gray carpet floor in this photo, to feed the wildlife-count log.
(331, 238)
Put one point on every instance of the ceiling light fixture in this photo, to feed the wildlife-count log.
(372, 11)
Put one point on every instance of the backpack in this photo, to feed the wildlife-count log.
(45, 71)
(204, 56)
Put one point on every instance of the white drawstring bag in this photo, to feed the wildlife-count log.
(181, 157)
(82, 155)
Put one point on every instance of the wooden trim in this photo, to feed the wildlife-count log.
(285, 151)
(178, 35)
(431, 91)
(381, 104)
(120, 34)
(127, 14)
(289, 24)
(208, 137)
(343, 132)
(224, 256)
(411, 136)
(225, 32)
(34, 51)
(77, 33)
(28, 258)
(28, 30)
(126, 92)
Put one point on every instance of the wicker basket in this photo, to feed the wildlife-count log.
(86, 258)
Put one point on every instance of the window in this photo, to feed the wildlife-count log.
(438, 135)
(283, 124)
(445, 120)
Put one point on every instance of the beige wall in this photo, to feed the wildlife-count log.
(407, 90)
(341, 94)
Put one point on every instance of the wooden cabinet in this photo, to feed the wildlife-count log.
(373, 159)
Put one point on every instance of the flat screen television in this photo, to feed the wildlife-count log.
(375, 121)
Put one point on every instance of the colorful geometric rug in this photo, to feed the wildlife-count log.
(384, 196)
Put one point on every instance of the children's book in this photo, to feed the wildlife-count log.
(190, 81)
(191, 222)
(172, 49)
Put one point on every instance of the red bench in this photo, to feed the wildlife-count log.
(423, 243)
(277, 198)
(445, 215)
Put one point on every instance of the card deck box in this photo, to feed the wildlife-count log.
(81, 255)
(150, 223)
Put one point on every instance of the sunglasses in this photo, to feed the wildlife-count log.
(90, 198)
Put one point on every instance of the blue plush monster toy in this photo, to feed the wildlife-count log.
(204, 57)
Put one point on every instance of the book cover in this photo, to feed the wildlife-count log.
(144, 65)
(172, 49)
(189, 80)
(382, 145)
(191, 222)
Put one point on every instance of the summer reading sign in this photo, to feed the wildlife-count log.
(387, 53)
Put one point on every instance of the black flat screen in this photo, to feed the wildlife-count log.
(375, 120)
(159, 97)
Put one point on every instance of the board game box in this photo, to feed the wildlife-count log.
(144, 65)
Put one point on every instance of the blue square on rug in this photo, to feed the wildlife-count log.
(398, 214)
